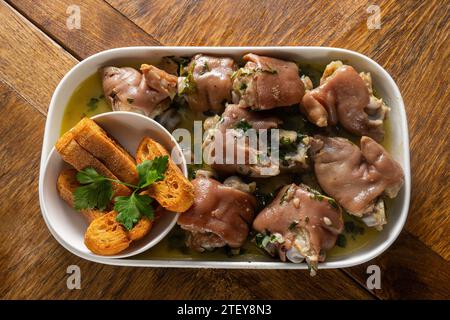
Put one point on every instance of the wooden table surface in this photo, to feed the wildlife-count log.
(37, 49)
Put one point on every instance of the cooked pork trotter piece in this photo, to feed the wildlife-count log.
(299, 224)
(346, 97)
(221, 215)
(228, 133)
(148, 93)
(206, 84)
(356, 177)
(236, 134)
(266, 83)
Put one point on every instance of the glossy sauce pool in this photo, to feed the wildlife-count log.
(88, 100)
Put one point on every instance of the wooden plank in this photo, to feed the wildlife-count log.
(101, 26)
(412, 36)
(409, 270)
(29, 60)
(244, 23)
(297, 284)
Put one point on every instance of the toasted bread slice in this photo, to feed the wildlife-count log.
(66, 185)
(96, 141)
(105, 236)
(79, 158)
(175, 192)
(140, 229)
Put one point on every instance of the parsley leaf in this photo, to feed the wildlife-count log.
(151, 171)
(89, 175)
(132, 208)
(96, 191)
(243, 125)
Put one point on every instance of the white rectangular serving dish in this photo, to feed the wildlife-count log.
(383, 83)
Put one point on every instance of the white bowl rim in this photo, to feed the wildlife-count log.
(349, 262)
(130, 252)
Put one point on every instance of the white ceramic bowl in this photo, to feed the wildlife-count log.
(69, 226)
(383, 83)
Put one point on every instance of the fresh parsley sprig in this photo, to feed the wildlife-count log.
(96, 192)
(132, 208)
(151, 171)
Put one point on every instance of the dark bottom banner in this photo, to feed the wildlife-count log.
(214, 309)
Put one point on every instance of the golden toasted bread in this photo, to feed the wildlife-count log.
(79, 158)
(140, 229)
(105, 236)
(175, 192)
(96, 141)
(66, 185)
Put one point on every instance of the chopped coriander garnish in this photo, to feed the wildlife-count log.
(341, 241)
(243, 125)
(259, 238)
(284, 196)
(242, 72)
(93, 104)
(267, 70)
(352, 228)
(182, 62)
(130, 100)
(285, 141)
(318, 197)
(293, 225)
(263, 199)
(276, 237)
(333, 203)
(243, 86)
(188, 84)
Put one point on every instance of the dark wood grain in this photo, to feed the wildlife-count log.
(411, 45)
(101, 26)
(409, 270)
(23, 48)
(245, 23)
